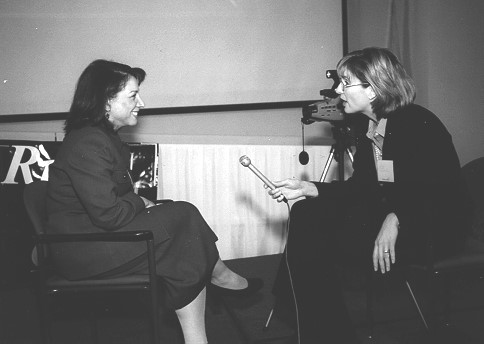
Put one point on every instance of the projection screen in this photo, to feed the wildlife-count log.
(195, 52)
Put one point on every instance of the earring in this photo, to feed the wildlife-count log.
(107, 115)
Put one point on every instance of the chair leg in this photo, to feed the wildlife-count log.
(94, 328)
(44, 317)
(155, 316)
(447, 282)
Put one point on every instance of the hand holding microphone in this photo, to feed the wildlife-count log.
(293, 188)
(245, 161)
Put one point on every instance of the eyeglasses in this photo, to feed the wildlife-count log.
(345, 86)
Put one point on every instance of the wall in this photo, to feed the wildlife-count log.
(446, 59)
(195, 53)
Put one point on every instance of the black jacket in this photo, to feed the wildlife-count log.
(90, 191)
(427, 195)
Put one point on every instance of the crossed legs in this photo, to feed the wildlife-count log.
(192, 316)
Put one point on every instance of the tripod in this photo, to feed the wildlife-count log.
(341, 146)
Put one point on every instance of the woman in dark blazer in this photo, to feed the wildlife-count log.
(405, 193)
(90, 190)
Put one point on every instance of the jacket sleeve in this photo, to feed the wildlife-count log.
(92, 168)
(427, 175)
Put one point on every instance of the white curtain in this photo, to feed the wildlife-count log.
(230, 197)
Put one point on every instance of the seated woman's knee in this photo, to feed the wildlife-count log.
(187, 209)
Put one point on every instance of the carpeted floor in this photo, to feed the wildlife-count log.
(123, 318)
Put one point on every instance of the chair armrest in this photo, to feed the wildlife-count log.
(110, 236)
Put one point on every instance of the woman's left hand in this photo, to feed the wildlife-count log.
(384, 250)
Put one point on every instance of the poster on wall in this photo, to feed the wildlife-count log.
(22, 162)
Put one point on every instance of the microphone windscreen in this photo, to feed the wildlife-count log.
(303, 158)
(244, 160)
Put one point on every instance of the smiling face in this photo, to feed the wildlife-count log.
(356, 96)
(123, 108)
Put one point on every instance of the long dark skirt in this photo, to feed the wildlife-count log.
(185, 261)
(322, 235)
(328, 235)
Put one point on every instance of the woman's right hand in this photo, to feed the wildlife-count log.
(291, 189)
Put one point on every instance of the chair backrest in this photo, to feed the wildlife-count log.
(34, 201)
(473, 174)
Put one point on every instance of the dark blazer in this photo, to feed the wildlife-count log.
(90, 190)
(427, 195)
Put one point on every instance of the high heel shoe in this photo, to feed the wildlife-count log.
(253, 286)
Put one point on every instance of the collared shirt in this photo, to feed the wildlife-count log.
(376, 133)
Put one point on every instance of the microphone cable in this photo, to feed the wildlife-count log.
(245, 161)
(303, 156)
(291, 283)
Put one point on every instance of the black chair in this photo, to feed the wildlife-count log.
(469, 261)
(51, 284)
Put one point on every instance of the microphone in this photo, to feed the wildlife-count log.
(245, 161)
(303, 157)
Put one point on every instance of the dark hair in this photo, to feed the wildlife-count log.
(381, 69)
(98, 83)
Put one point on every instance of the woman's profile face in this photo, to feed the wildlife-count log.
(356, 96)
(123, 108)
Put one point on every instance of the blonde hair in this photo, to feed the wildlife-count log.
(380, 69)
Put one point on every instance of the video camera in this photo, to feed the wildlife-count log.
(329, 109)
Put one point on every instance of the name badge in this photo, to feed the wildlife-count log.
(385, 171)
